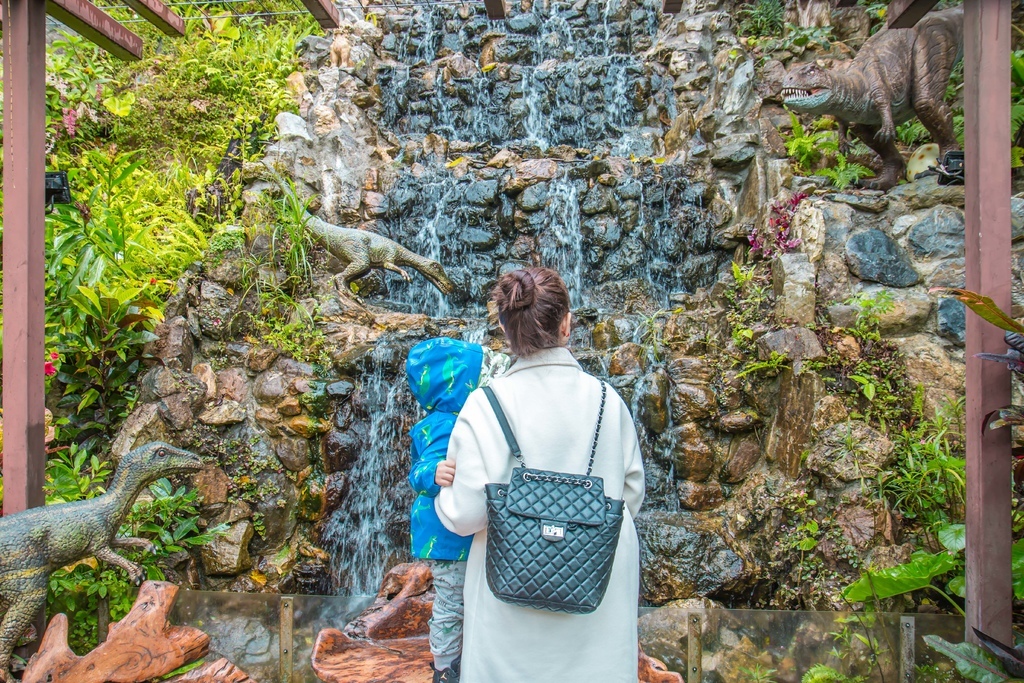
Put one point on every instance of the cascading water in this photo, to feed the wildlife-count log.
(378, 499)
(563, 250)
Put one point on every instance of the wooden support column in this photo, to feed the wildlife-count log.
(24, 54)
(987, 167)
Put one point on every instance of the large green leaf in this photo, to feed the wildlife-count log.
(914, 575)
(953, 537)
(983, 306)
(1017, 567)
(971, 661)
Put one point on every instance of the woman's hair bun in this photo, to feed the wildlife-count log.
(520, 290)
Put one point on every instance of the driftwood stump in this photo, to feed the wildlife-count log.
(220, 671)
(140, 647)
(387, 643)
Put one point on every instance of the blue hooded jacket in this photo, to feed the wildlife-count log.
(442, 373)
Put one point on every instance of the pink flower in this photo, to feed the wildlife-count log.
(49, 369)
(70, 120)
(54, 355)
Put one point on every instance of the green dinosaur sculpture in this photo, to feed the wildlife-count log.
(36, 542)
(898, 73)
(364, 250)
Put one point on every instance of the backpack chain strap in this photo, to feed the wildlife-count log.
(597, 432)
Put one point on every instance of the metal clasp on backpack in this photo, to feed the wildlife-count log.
(552, 531)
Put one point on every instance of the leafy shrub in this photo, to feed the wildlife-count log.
(762, 18)
(808, 147)
(72, 474)
(819, 673)
(844, 174)
(102, 332)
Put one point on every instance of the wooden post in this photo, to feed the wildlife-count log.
(24, 60)
(906, 13)
(987, 167)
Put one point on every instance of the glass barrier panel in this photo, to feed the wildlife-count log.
(244, 627)
(311, 614)
(930, 666)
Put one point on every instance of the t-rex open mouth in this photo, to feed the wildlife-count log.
(798, 92)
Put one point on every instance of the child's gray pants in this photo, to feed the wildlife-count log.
(449, 612)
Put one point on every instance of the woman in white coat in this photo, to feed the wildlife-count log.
(552, 406)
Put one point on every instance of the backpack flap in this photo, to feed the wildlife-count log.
(556, 496)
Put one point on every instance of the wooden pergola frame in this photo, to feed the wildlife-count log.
(987, 266)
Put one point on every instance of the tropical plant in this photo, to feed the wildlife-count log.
(101, 335)
(758, 674)
(808, 146)
(871, 306)
(844, 173)
(762, 18)
(72, 474)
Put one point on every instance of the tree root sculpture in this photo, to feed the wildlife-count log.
(139, 648)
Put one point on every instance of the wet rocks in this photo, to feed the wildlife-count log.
(226, 413)
(790, 432)
(940, 234)
(744, 454)
(531, 172)
(691, 402)
(873, 255)
(693, 457)
(833, 458)
(682, 559)
(174, 345)
(793, 281)
(795, 343)
(228, 554)
(652, 392)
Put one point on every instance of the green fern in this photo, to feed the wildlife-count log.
(912, 133)
(844, 173)
(806, 147)
(763, 18)
(819, 673)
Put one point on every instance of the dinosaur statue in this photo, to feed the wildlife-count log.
(363, 250)
(36, 542)
(897, 73)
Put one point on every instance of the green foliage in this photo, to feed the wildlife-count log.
(808, 146)
(973, 662)
(222, 82)
(871, 306)
(770, 367)
(72, 474)
(917, 574)
(927, 481)
(101, 334)
(844, 174)
(912, 133)
(750, 303)
(758, 674)
(170, 519)
(762, 18)
(819, 673)
(291, 244)
(299, 339)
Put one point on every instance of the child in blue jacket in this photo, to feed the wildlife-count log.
(442, 372)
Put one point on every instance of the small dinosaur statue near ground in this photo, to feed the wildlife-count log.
(897, 73)
(364, 250)
(36, 542)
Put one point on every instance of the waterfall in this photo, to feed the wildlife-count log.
(533, 92)
(565, 252)
(357, 533)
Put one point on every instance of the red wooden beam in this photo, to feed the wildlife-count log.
(160, 15)
(671, 6)
(325, 13)
(987, 171)
(24, 54)
(90, 21)
(906, 13)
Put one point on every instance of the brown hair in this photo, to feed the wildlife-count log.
(532, 303)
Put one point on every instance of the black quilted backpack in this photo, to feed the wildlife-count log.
(551, 536)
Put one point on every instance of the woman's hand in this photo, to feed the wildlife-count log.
(444, 475)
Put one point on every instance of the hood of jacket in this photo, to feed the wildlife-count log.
(443, 372)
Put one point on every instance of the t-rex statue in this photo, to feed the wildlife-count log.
(364, 250)
(36, 542)
(897, 73)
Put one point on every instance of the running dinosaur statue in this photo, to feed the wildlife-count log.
(897, 73)
(364, 250)
(36, 542)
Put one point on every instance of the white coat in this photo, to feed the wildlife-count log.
(552, 406)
